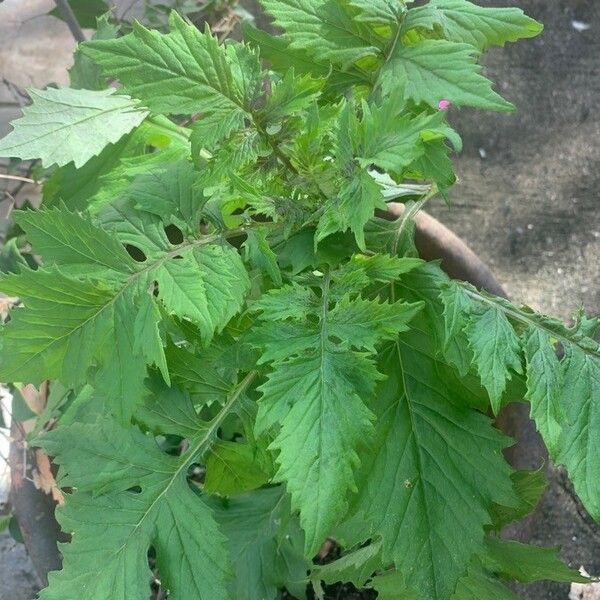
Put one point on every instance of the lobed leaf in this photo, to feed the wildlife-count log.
(64, 125)
(496, 351)
(424, 432)
(318, 387)
(563, 393)
(145, 502)
(265, 542)
(480, 26)
(72, 321)
(323, 28)
(185, 71)
(434, 70)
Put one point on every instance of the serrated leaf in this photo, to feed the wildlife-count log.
(359, 195)
(529, 487)
(202, 279)
(579, 450)
(115, 181)
(62, 326)
(76, 187)
(352, 209)
(323, 28)
(435, 165)
(463, 21)
(457, 306)
(68, 327)
(185, 71)
(363, 323)
(392, 140)
(167, 410)
(478, 584)
(292, 94)
(356, 567)
(65, 125)
(578, 380)
(261, 256)
(316, 393)
(72, 323)
(120, 376)
(380, 12)
(233, 468)
(197, 374)
(206, 285)
(282, 58)
(544, 379)
(434, 70)
(131, 496)
(170, 191)
(361, 270)
(527, 563)
(428, 284)
(326, 422)
(395, 236)
(496, 351)
(79, 247)
(265, 542)
(384, 137)
(147, 338)
(424, 430)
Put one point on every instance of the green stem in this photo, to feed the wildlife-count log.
(204, 438)
(410, 213)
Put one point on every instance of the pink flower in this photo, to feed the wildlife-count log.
(444, 104)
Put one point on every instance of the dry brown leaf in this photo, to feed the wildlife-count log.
(6, 303)
(34, 398)
(43, 478)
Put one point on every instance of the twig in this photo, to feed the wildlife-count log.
(128, 10)
(18, 94)
(17, 178)
(13, 203)
(70, 19)
(22, 182)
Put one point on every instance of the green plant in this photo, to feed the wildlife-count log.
(245, 358)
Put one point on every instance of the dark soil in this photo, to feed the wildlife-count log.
(340, 591)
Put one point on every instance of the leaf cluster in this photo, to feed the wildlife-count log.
(245, 358)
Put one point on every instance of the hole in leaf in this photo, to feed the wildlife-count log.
(174, 234)
(136, 489)
(136, 253)
(155, 583)
(155, 291)
(178, 257)
(197, 472)
(335, 339)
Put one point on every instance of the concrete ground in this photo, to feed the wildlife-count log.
(527, 201)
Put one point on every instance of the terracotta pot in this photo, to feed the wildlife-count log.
(34, 510)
